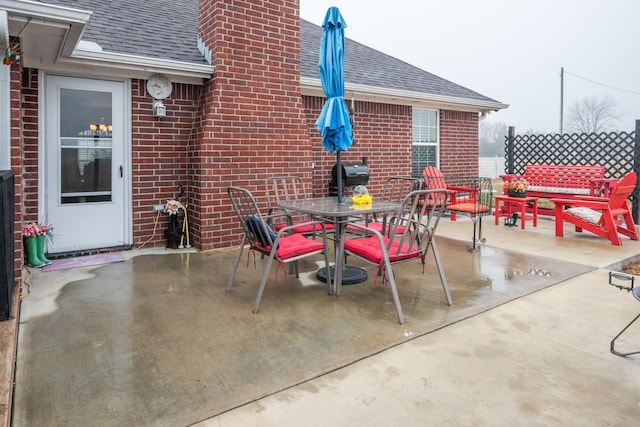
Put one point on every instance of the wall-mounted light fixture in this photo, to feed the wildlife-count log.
(101, 129)
(159, 110)
(159, 87)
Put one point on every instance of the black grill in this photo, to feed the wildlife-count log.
(352, 174)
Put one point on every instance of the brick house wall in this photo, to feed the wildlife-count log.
(17, 150)
(248, 122)
(30, 166)
(382, 134)
(459, 150)
(251, 118)
(160, 149)
(163, 153)
(159, 155)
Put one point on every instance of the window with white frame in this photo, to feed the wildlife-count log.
(425, 140)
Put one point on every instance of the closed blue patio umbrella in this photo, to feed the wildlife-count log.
(333, 122)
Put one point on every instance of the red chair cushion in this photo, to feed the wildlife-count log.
(369, 248)
(375, 225)
(472, 208)
(307, 229)
(295, 245)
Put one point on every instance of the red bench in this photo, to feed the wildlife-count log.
(566, 181)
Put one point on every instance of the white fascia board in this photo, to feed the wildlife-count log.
(145, 65)
(313, 87)
(73, 52)
(45, 11)
(75, 20)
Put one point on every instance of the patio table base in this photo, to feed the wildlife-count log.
(351, 275)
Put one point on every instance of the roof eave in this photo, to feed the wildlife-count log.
(45, 11)
(28, 11)
(313, 87)
(143, 67)
(70, 54)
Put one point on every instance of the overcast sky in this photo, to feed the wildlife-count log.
(509, 50)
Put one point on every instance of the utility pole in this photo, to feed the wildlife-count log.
(561, 96)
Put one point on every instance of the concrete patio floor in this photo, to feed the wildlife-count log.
(530, 350)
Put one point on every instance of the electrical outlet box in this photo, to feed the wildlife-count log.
(157, 208)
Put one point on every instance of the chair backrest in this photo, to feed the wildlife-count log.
(433, 178)
(474, 195)
(256, 230)
(281, 188)
(414, 228)
(622, 190)
(397, 188)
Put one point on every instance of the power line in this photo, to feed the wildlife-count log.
(602, 84)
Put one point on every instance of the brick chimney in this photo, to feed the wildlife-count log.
(251, 123)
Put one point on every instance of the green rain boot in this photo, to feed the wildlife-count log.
(40, 253)
(32, 252)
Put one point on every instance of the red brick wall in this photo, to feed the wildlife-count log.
(17, 150)
(382, 134)
(251, 124)
(459, 143)
(30, 164)
(160, 152)
(204, 145)
(245, 124)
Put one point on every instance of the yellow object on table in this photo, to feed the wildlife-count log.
(362, 199)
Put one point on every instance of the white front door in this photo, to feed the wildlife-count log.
(85, 178)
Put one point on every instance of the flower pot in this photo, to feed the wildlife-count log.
(40, 253)
(31, 245)
(173, 232)
(514, 193)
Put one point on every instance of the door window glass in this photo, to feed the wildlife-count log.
(85, 146)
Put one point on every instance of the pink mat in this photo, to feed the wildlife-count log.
(83, 261)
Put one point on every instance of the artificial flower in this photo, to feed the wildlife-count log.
(33, 229)
(173, 207)
(519, 185)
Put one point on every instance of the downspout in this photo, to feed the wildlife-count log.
(5, 94)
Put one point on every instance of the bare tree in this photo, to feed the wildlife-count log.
(593, 115)
(491, 138)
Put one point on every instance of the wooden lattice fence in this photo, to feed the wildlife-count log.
(619, 152)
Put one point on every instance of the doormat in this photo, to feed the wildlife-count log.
(83, 261)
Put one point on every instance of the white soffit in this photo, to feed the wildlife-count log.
(50, 37)
(313, 87)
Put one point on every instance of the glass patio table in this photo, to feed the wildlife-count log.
(340, 214)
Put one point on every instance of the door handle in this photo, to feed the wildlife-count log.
(121, 171)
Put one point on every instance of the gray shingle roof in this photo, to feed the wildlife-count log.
(163, 29)
(131, 27)
(366, 66)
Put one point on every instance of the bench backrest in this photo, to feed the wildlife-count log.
(562, 176)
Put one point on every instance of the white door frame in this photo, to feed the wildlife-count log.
(126, 158)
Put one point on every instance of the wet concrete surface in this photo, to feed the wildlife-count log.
(156, 340)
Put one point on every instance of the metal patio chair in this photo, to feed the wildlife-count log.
(411, 234)
(636, 294)
(282, 247)
(473, 197)
(280, 188)
(395, 189)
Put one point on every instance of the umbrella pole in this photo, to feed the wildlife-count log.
(339, 175)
